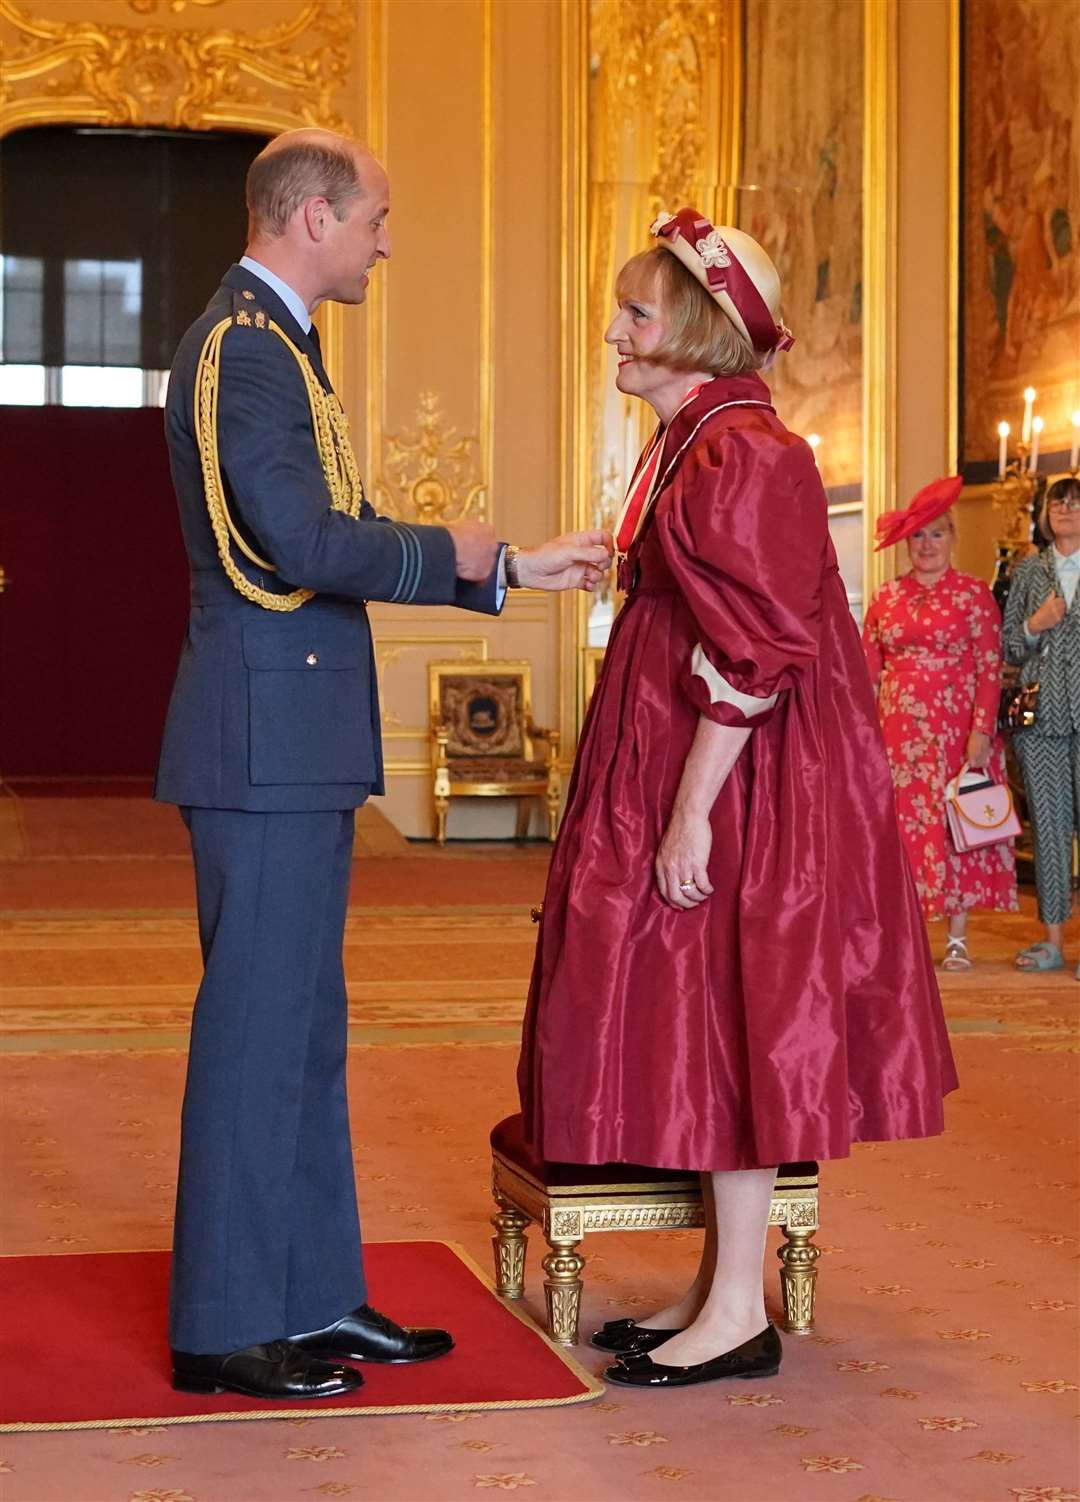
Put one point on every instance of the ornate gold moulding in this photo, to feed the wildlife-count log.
(206, 78)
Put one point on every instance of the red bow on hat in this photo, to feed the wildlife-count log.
(713, 262)
(932, 501)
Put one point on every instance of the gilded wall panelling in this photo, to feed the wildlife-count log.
(879, 304)
(660, 129)
(420, 309)
(209, 77)
(391, 647)
(430, 474)
(151, 71)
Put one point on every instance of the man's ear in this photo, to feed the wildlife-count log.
(315, 212)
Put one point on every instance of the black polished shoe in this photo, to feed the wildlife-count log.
(367, 1335)
(758, 1357)
(625, 1335)
(276, 1370)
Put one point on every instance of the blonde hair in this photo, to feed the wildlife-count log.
(700, 334)
(287, 173)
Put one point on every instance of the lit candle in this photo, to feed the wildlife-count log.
(1074, 452)
(1036, 428)
(1029, 402)
(813, 439)
(1003, 449)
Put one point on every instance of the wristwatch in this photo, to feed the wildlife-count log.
(510, 558)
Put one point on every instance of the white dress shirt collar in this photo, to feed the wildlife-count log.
(292, 300)
(1067, 568)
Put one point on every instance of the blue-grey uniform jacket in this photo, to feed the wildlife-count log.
(278, 711)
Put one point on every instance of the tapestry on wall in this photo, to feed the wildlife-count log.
(801, 196)
(1020, 267)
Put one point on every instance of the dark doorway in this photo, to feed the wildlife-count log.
(111, 243)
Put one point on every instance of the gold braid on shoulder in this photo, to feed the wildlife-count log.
(330, 429)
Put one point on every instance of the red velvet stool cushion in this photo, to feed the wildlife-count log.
(508, 1140)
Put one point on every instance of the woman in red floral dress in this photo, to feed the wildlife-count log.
(732, 970)
(933, 645)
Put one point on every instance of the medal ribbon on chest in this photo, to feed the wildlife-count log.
(651, 474)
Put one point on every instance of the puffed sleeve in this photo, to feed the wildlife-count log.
(745, 537)
(984, 622)
(871, 641)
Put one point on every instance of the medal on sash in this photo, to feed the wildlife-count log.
(641, 492)
(649, 476)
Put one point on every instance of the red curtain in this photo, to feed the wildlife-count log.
(96, 602)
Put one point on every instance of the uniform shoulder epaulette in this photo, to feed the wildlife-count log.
(246, 313)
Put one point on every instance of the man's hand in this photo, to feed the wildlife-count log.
(1050, 613)
(475, 549)
(577, 560)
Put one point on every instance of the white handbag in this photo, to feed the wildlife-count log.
(979, 810)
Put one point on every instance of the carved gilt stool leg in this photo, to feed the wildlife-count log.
(798, 1275)
(562, 1288)
(510, 1244)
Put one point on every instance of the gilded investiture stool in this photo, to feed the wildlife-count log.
(482, 735)
(569, 1199)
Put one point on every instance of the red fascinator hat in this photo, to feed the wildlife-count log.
(932, 501)
(736, 273)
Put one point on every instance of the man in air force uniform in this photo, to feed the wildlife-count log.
(271, 743)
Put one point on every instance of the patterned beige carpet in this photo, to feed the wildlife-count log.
(943, 1367)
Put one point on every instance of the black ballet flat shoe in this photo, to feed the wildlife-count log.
(275, 1370)
(625, 1335)
(367, 1335)
(759, 1357)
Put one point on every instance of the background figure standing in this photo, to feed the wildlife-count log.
(932, 640)
(271, 743)
(1042, 636)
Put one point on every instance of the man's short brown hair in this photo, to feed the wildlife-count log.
(700, 336)
(286, 174)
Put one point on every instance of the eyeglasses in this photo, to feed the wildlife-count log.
(1067, 503)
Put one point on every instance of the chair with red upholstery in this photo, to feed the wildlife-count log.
(568, 1199)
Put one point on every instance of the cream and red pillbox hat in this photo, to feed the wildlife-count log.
(734, 270)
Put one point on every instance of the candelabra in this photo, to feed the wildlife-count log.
(1016, 495)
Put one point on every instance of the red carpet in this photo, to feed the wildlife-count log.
(83, 1345)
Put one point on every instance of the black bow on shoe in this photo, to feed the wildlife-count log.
(624, 1335)
(757, 1357)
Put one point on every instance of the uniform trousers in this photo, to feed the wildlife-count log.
(1051, 768)
(267, 1235)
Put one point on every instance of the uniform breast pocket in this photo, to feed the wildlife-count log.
(309, 701)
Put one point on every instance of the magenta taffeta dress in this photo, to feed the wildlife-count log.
(796, 1011)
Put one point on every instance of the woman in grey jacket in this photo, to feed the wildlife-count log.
(1042, 636)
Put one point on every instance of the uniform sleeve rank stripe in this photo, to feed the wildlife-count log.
(399, 533)
(418, 565)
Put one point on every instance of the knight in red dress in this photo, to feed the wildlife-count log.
(732, 970)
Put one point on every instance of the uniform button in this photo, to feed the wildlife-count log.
(311, 659)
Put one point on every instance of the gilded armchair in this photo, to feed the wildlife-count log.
(482, 741)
